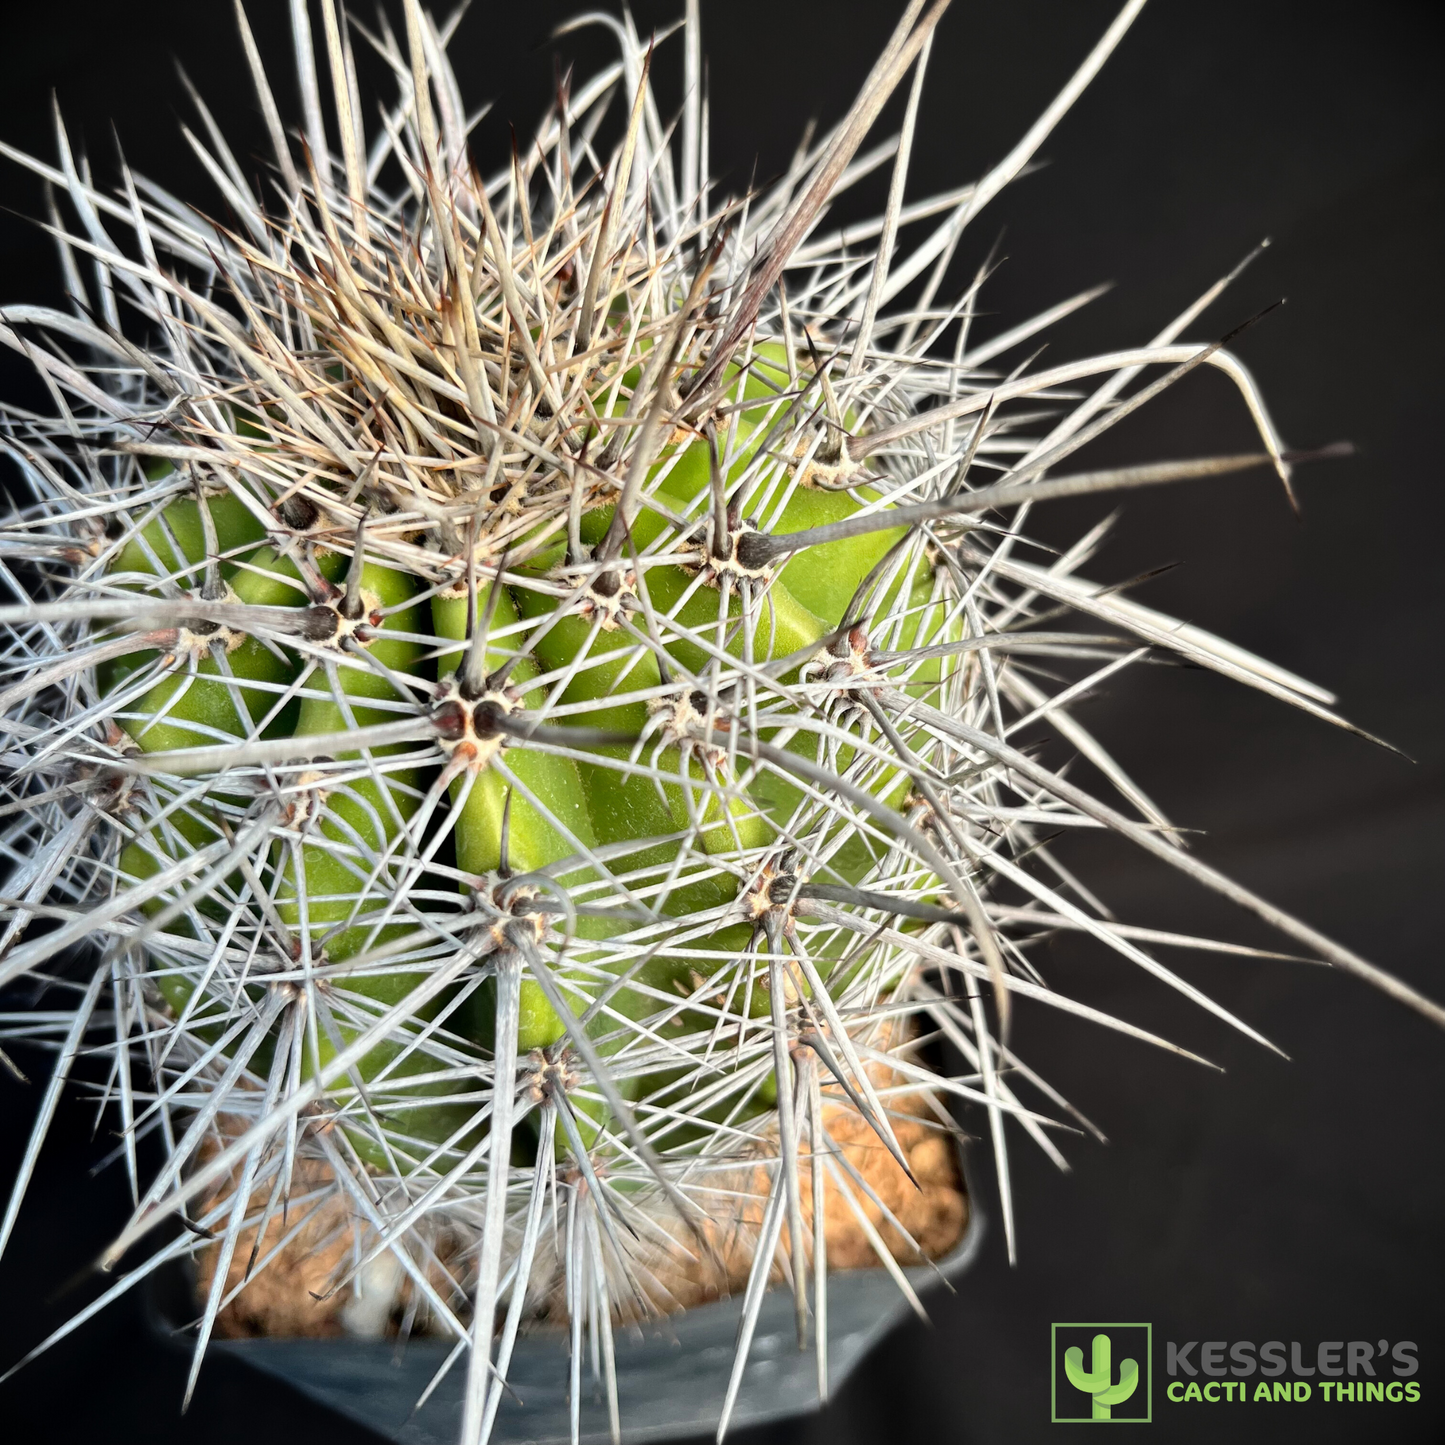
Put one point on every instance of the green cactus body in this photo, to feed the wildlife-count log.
(554, 808)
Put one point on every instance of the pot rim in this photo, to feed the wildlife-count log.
(672, 1371)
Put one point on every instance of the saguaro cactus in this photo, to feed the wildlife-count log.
(1095, 1380)
(519, 695)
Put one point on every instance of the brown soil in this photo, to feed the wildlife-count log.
(297, 1293)
(934, 1214)
(290, 1295)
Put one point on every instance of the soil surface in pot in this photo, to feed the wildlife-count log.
(300, 1281)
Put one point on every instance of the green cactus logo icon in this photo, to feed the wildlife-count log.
(1115, 1386)
(1095, 1380)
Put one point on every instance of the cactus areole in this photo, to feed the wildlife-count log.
(517, 683)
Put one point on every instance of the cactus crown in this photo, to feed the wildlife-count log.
(515, 682)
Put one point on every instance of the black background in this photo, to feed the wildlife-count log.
(1299, 1200)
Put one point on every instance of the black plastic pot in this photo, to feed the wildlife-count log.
(672, 1374)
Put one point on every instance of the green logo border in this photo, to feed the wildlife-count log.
(1054, 1329)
